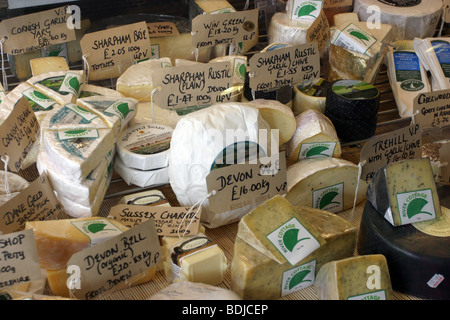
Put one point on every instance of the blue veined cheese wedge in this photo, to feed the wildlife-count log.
(405, 192)
(325, 183)
(255, 276)
(364, 277)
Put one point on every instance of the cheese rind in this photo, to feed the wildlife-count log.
(283, 30)
(325, 183)
(364, 277)
(405, 192)
(256, 276)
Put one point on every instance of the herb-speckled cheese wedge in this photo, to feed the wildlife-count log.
(363, 277)
(287, 238)
(314, 136)
(324, 183)
(405, 192)
(256, 276)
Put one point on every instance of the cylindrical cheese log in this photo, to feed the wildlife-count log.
(410, 19)
(325, 183)
(310, 96)
(314, 136)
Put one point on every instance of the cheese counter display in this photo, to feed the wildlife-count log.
(144, 160)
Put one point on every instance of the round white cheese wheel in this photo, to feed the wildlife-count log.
(141, 178)
(410, 19)
(145, 146)
(283, 30)
(311, 95)
(198, 145)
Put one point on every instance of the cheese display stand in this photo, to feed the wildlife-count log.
(163, 181)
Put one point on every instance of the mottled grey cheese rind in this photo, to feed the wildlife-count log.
(256, 276)
(364, 277)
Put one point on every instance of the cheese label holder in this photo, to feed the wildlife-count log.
(35, 31)
(169, 221)
(131, 253)
(224, 28)
(20, 260)
(36, 202)
(286, 66)
(239, 185)
(162, 29)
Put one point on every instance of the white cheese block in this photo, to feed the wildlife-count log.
(148, 112)
(136, 82)
(325, 183)
(62, 86)
(409, 19)
(195, 291)
(84, 192)
(145, 146)
(72, 116)
(315, 136)
(279, 117)
(115, 112)
(88, 90)
(141, 178)
(405, 192)
(48, 64)
(197, 146)
(77, 152)
(283, 30)
(407, 78)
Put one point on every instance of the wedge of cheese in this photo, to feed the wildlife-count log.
(325, 183)
(405, 192)
(255, 276)
(315, 136)
(77, 152)
(279, 117)
(89, 90)
(58, 240)
(136, 82)
(149, 112)
(48, 64)
(364, 277)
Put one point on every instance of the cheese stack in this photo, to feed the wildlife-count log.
(58, 240)
(142, 157)
(255, 275)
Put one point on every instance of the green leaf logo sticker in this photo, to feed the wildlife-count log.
(290, 239)
(74, 83)
(97, 227)
(306, 11)
(299, 278)
(316, 151)
(55, 53)
(359, 35)
(328, 198)
(75, 132)
(416, 206)
(123, 109)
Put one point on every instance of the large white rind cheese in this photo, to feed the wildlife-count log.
(150, 112)
(312, 127)
(408, 21)
(325, 183)
(136, 82)
(198, 139)
(88, 90)
(283, 30)
(141, 178)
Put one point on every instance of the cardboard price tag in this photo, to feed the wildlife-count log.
(224, 28)
(337, 3)
(432, 109)
(239, 185)
(110, 52)
(18, 134)
(400, 144)
(37, 30)
(19, 260)
(446, 11)
(36, 202)
(194, 85)
(162, 29)
(114, 263)
(169, 221)
(271, 70)
(319, 30)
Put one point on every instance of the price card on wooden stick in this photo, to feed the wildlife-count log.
(18, 134)
(36, 202)
(319, 30)
(110, 52)
(114, 263)
(19, 260)
(432, 109)
(224, 28)
(287, 66)
(400, 144)
(37, 30)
